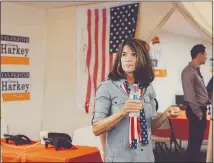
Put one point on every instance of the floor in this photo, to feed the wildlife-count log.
(179, 157)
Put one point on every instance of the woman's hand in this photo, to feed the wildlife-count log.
(132, 106)
(173, 111)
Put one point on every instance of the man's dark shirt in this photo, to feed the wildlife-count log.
(195, 92)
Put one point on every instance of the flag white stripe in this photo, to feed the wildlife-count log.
(91, 67)
(135, 129)
(100, 26)
(107, 42)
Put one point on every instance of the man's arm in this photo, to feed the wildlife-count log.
(189, 92)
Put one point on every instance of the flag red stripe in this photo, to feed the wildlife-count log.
(126, 89)
(88, 60)
(110, 62)
(103, 75)
(138, 128)
(132, 128)
(96, 50)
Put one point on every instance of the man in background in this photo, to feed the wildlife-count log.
(210, 140)
(196, 96)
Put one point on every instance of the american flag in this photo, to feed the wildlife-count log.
(106, 29)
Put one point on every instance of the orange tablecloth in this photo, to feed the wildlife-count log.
(38, 153)
(181, 128)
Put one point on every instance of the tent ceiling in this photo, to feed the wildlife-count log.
(51, 5)
(177, 24)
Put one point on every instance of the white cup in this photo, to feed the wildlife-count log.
(43, 134)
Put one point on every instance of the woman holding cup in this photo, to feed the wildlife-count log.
(125, 122)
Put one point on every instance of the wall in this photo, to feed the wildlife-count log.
(61, 113)
(25, 116)
(176, 53)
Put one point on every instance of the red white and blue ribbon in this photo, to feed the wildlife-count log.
(137, 125)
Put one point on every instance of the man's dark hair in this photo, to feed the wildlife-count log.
(199, 48)
(143, 74)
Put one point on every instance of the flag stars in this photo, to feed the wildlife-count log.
(121, 17)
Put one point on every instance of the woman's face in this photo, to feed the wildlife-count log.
(128, 59)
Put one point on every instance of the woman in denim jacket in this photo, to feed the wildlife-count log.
(125, 138)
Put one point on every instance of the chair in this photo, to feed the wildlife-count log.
(161, 142)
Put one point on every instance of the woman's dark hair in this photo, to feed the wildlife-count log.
(143, 74)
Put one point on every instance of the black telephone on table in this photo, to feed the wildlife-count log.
(58, 143)
(17, 139)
